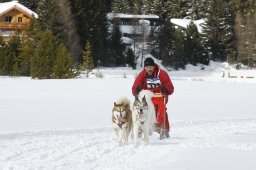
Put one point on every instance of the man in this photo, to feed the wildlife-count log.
(158, 81)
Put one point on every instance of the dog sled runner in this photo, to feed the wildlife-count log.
(159, 101)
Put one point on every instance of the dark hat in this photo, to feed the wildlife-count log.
(149, 62)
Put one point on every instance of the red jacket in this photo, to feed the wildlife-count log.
(142, 81)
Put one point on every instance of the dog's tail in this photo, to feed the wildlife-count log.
(148, 94)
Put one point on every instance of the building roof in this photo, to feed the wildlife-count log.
(8, 6)
(121, 15)
(184, 23)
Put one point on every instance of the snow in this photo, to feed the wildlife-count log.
(5, 7)
(184, 23)
(66, 124)
(121, 15)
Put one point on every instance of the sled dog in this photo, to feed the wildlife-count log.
(122, 119)
(143, 116)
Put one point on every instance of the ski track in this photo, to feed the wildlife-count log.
(96, 148)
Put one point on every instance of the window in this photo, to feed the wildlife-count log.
(8, 18)
(19, 19)
(6, 33)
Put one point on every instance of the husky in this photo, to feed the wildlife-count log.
(122, 119)
(143, 116)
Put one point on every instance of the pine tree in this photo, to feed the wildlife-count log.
(175, 9)
(130, 58)
(117, 47)
(153, 7)
(192, 46)
(49, 17)
(7, 60)
(165, 41)
(216, 30)
(8, 56)
(92, 25)
(87, 59)
(31, 4)
(198, 9)
(45, 56)
(16, 70)
(26, 53)
(121, 6)
(177, 59)
(62, 68)
(3, 54)
(245, 32)
(14, 46)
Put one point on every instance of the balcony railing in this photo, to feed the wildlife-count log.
(6, 25)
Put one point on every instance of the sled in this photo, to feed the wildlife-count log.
(160, 129)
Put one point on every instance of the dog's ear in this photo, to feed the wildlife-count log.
(136, 98)
(136, 101)
(145, 104)
(115, 104)
(144, 99)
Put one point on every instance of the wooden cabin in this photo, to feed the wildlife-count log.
(14, 19)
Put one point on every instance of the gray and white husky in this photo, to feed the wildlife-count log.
(143, 116)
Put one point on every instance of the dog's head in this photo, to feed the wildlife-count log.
(119, 112)
(140, 107)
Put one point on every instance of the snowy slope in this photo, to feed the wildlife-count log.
(66, 124)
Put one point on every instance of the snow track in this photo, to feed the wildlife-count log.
(96, 149)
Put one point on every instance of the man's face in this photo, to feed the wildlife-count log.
(149, 70)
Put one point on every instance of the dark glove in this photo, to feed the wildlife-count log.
(164, 89)
(138, 89)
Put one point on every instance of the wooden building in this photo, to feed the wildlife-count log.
(14, 19)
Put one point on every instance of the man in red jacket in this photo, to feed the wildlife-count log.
(158, 81)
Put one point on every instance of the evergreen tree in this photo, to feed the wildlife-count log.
(31, 4)
(130, 59)
(165, 41)
(3, 54)
(245, 32)
(87, 59)
(8, 57)
(154, 7)
(26, 53)
(99, 34)
(198, 9)
(117, 46)
(62, 68)
(16, 70)
(229, 37)
(14, 46)
(121, 6)
(176, 9)
(45, 56)
(216, 30)
(192, 46)
(92, 25)
(49, 17)
(177, 57)
(7, 60)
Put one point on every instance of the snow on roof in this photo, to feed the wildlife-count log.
(127, 40)
(185, 23)
(129, 29)
(7, 6)
(121, 15)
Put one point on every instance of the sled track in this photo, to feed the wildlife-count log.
(96, 149)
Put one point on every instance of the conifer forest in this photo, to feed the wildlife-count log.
(73, 35)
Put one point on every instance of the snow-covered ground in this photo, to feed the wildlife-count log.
(66, 124)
